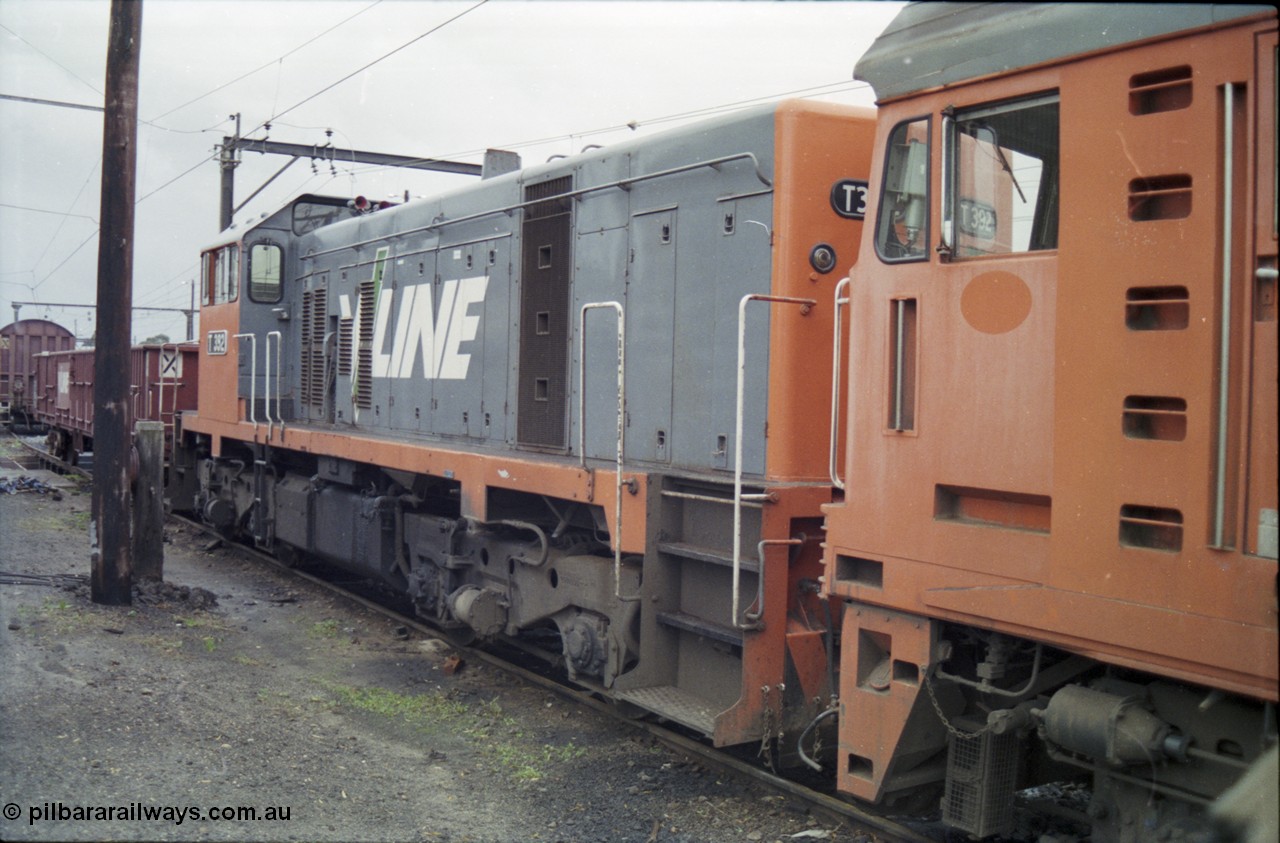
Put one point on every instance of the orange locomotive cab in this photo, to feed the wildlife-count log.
(1059, 527)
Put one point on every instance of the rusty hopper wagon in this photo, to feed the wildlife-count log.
(20, 342)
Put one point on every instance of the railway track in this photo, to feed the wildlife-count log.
(29, 457)
(818, 802)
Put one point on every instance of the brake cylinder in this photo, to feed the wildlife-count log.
(1109, 728)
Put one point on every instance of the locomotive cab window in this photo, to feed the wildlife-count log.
(265, 272)
(902, 229)
(220, 271)
(1001, 179)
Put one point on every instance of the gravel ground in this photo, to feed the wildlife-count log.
(234, 687)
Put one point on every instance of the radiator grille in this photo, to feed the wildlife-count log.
(551, 207)
(546, 274)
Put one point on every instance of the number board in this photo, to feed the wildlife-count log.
(977, 219)
(849, 198)
(217, 343)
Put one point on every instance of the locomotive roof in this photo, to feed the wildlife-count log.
(681, 143)
(932, 44)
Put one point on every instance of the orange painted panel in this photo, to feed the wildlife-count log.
(1056, 478)
(816, 146)
(1136, 514)
(219, 373)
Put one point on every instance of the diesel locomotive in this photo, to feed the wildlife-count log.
(941, 436)
(584, 404)
(1057, 544)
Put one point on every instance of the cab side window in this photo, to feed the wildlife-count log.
(220, 274)
(265, 272)
(902, 228)
(1002, 196)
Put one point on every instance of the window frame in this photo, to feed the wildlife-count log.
(1048, 187)
(216, 287)
(885, 209)
(279, 279)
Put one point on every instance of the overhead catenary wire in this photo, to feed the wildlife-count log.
(274, 61)
(352, 171)
(323, 90)
(68, 70)
(47, 211)
(378, 60)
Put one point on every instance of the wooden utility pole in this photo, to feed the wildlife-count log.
(112, 574)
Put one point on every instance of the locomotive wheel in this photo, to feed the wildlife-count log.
(288, 555)
(460, 636)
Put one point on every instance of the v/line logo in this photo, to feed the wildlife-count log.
(422, 330)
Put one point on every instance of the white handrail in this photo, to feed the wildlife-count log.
(146, 384)
(737, 437)
(757, 617)
(835, 385)
(622, 426)
(1224, 350)
(253, 376)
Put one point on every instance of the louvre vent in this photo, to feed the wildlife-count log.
(1160, 198)
(362, 389)
(311, 365)
(346, 327)
(1157, 308)
(1152, 527)
(1168, 89)
(1155, 417)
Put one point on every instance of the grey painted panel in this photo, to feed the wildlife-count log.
(456, 384)
(414, 273)
(608, 208)
(681, 296)
(734, 265)
(600, 276)
(650, 304)
(494, 342)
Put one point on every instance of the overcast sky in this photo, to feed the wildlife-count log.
(539, 78)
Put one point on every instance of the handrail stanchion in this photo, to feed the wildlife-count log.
(253, 376)
(841, 300)
(738, 497)
(622, 425)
